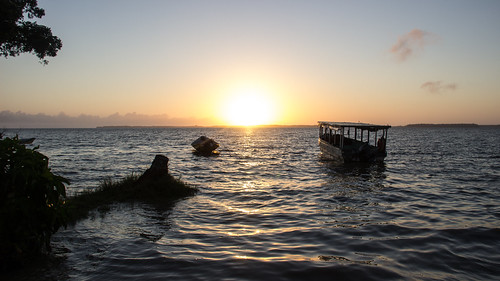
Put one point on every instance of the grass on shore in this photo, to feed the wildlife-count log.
(161, 191)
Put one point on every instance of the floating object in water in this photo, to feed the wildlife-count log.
(206, 146)
(351, 142)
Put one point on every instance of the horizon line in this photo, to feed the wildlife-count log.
(464, 125)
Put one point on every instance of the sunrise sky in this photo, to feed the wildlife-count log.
(259, 62)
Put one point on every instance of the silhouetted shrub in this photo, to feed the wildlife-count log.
(31, 202)
(163, 191)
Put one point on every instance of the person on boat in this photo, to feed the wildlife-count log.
(381, 144)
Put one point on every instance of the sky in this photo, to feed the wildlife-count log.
(211, 63)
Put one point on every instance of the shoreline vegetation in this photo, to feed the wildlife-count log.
(162, 191)
(34, 204)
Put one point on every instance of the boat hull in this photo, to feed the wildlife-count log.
(363, 153)
(330, 152)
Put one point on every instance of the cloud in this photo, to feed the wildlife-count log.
(20, 119)
(437, 87)
(411, 43)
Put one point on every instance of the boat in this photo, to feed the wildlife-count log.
(21, 141)
(346, 142)
(26, 141)
(205, 145)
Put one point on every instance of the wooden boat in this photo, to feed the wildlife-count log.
(352, 142)
(26, 141)
(205, 145)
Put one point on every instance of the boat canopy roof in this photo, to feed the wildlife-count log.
(362, 126)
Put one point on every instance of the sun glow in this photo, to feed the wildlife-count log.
(249, 107)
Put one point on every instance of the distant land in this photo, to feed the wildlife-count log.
(455, 125)
(418, 125)
(216, 126)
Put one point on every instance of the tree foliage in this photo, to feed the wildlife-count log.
(31, 202)
(20, 35)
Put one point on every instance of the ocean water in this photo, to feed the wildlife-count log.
(269, 208)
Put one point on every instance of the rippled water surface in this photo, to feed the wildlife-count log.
(270, 208)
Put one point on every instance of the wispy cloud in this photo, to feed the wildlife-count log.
(20, 119)
(411, 43)
(437, 87)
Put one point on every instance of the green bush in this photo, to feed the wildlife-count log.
(31, 202)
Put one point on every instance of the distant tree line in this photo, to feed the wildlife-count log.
(457, 125)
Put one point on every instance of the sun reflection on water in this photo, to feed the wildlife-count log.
(244, 232)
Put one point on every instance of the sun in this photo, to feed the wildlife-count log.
(249, 107)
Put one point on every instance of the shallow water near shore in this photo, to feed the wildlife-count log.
(270, 208)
